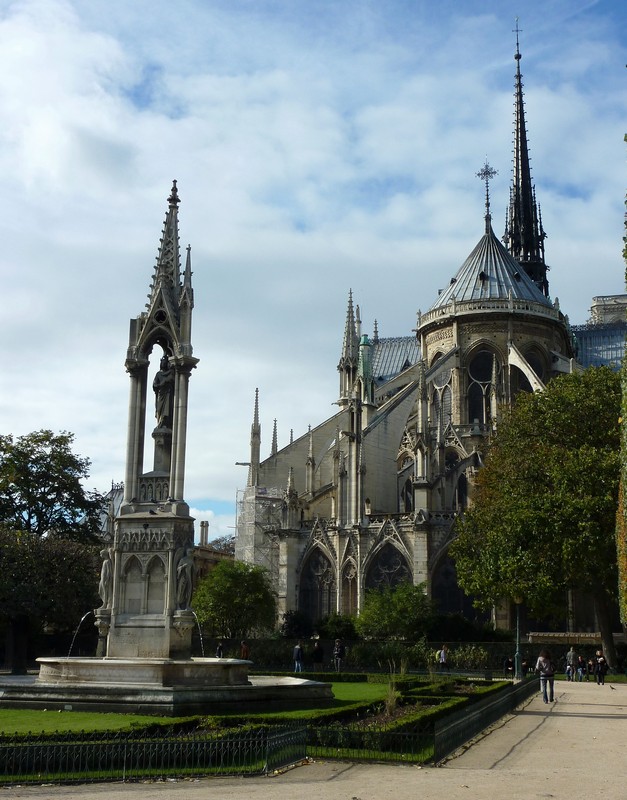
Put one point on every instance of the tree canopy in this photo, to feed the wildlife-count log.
(41, 489)
(235, 599)
(544, 508)
(43, 581)
(395, 612)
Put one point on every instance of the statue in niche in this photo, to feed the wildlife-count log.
(163, 386)
(184, 585)
(106, 578)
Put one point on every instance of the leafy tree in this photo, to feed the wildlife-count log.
(337, 626)
(224, 544)
(43, 580)
(543, 516)
(399, 612)
(41, 490)
(235, 599)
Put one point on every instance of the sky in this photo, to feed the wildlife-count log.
(319, 146)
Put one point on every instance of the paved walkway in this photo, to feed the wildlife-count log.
(576, 747)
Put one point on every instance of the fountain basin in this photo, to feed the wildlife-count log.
(165, 687)
(147, 671)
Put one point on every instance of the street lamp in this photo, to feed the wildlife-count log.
(518, 676)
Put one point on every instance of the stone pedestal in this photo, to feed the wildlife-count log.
(149, 617)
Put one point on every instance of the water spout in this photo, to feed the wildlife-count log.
(83, 618)
(202, 646)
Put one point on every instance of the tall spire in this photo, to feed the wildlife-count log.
(524, 235)
(350, 352)
(167, 275)
(274, 448)
(255, 444)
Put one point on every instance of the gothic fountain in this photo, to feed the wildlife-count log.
(145, 622)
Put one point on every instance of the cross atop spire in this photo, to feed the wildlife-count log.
(517, 30)
(486, 173)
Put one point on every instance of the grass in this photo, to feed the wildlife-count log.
(25, 720)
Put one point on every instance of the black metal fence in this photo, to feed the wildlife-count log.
(133, 756)
(456, 729)
(94, 758)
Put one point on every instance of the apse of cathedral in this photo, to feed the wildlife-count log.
(368, 497)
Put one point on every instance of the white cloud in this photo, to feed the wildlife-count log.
(318, 147)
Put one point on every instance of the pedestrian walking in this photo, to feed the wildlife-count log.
(546, 670)
(298, 657)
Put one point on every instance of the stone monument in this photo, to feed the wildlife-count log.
(145, 604)
(145, 622)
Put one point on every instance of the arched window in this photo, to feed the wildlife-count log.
(479, 376)
(388, 568)
(318, 587)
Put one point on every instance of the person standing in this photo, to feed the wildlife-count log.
(298, 657)
(339, 651)
(546, 670)
(219, 650)
(582, 668)
(444, 665)
(600, 668)
(317, 656)
(244, 650)
(571, 664)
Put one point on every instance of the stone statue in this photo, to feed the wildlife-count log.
(106, 579)
(184, 585)
(163, 386)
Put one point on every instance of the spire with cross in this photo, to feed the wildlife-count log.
(486, 173)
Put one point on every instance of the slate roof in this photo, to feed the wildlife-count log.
(490, 273)
(393, 355)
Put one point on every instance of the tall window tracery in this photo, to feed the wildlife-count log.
(318, 586)
(388, 568)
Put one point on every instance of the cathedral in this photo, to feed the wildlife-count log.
(368, 497)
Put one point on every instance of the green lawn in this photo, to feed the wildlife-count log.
(25, 721)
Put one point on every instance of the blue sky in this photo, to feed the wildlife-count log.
(318, 147)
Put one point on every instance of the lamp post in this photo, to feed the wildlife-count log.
(518, 676)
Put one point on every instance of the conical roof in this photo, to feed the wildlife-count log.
(490, 273)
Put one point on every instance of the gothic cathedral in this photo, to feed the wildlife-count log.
(368, 497)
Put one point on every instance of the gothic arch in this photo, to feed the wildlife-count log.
(156, 588)
(318, 585)
(386, 566)
(477, 370)
(133, 586)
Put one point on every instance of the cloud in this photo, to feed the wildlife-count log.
(318, 147)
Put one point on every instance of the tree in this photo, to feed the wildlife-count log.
(43, 580)
(224, 544)
(235, 599)
(41, 490)
(395, 612)
(543, 516)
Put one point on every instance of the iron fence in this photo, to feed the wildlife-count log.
(95, 758)
(456, 729)
(136, 755)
